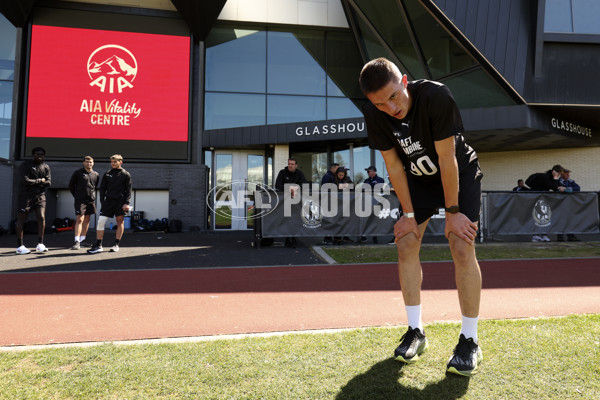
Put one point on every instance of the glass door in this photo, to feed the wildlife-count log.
(236, 175)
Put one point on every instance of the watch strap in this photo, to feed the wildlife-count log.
(452, 209)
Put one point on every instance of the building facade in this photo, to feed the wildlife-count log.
(202, 96)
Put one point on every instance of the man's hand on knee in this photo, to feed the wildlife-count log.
(461, 226)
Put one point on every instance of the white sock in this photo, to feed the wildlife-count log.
(81, 238)
(414, 317)
(469, 327)
(78, 238)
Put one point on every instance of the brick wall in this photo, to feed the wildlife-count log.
(187, 186)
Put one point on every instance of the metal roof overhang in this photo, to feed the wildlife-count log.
(507, 128)
(199, 15)
(523, 127)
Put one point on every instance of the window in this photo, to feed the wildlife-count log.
(8, 43)
(236, 61)
(424, 49)
(572, 16)
(257, 77)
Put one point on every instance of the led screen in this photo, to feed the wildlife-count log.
(101, 92)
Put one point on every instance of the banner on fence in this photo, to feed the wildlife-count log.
(542, 213)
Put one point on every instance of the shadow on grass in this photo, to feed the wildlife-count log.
(382, 382)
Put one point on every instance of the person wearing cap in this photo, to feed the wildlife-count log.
(35, 178)
(566, 181)
(373, 179)
(570, 186)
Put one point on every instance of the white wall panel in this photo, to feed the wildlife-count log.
(282, 11)
(312, 12)
(294, 12)
(253, 11)
(154, 203)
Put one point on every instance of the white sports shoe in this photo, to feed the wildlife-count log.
(115, 248)
(40, 248)
(545, 238)
(537, 238)
(23, 250)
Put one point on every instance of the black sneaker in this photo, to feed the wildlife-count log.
(76, 246)
(97, 248)
(412, 344)
(85, 244)
(466, 358)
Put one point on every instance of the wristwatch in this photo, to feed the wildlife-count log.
(453, 210)
(409, 215)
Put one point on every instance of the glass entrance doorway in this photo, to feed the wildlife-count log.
(236, 175)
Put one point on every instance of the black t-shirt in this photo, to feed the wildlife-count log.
(433, 116)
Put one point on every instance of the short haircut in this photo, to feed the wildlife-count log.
(36, 149)
(117, 157)
(86, 158)
(334, 165)
(293, 159)
(377, 73)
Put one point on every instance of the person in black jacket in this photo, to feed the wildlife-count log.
(115, 194)
(546, 181)
(521, 187)
(290, 178)
(83, 186)
(35, 178)
(329, 177)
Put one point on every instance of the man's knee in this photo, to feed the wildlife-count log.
(101, 223)
(20, 222)
(462, 252)
(408, 246)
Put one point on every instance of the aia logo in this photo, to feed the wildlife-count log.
(112, 68)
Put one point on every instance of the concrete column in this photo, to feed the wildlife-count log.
(280, 158)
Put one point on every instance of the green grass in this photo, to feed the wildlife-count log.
(485, 251)
(550, 358)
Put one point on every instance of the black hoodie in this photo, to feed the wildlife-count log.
(115, 185)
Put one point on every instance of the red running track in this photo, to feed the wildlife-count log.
(66, 307)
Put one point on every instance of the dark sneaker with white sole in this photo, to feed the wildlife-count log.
(95, 249)
(412, 344)
(466, 358)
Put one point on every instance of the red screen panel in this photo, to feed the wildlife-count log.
(95, 84)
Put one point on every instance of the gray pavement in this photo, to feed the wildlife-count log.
(155, 250)
(159, 250)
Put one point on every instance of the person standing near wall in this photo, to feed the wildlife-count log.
(417, 127)
(570, 186)
(115, 194)
(35, 178)
(290, 178)
(83, 186)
